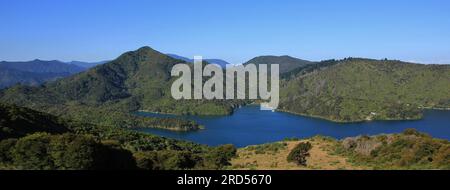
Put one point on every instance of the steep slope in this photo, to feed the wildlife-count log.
(286, 63)
(106, 94)
(17, 122)
(363, 89)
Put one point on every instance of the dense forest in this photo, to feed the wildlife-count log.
(355, 89)
(36, 140)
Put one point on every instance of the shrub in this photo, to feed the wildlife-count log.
(67, 151)
(220, 157)
(5, 150)
(299, 154)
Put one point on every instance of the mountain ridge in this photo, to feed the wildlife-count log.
(286, 63)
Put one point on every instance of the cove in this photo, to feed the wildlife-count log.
(250, 126)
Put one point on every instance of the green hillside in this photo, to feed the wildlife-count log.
(362, 89)
(36, 140)
(107, 94)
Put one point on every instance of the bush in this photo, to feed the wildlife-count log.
(5, 150)
(67, 151)
(220, 157)
(299, 154)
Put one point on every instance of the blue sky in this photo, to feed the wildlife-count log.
(93, 30)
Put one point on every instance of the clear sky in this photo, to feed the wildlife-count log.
(94, 30)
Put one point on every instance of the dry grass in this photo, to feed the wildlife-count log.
(321, 158)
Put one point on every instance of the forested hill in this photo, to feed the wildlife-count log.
(362, 89)
(108, 93)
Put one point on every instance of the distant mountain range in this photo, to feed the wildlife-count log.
(220, 62)
(37, 71)
(87, 64)
(286, 63)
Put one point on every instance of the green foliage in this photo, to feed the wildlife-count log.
(16, 122)
(88, 146)
(216, 158)
(219, 157)
(299, 154)
(354, 90)
(65, 152)
(6, 147)
(109, 93)
(409, 150)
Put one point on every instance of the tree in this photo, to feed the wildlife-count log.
(299, 154)
(6, 146)
(220, 156)
(31, 152)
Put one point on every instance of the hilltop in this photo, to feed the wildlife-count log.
(109, 93)
(286, 63)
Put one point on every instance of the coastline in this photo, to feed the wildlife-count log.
(347, 122)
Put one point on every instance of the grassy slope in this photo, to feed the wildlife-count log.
(264, 157)
(362, 89)
(408, 150)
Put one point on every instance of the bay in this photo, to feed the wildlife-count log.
(250, 126)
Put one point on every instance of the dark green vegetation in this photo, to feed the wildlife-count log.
(409, 150)
(361, 89)
(109, 93)
(66, 144)
(286, 63)
(17, 122)
(300, 153)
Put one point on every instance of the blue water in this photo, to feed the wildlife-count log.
(249, 126)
